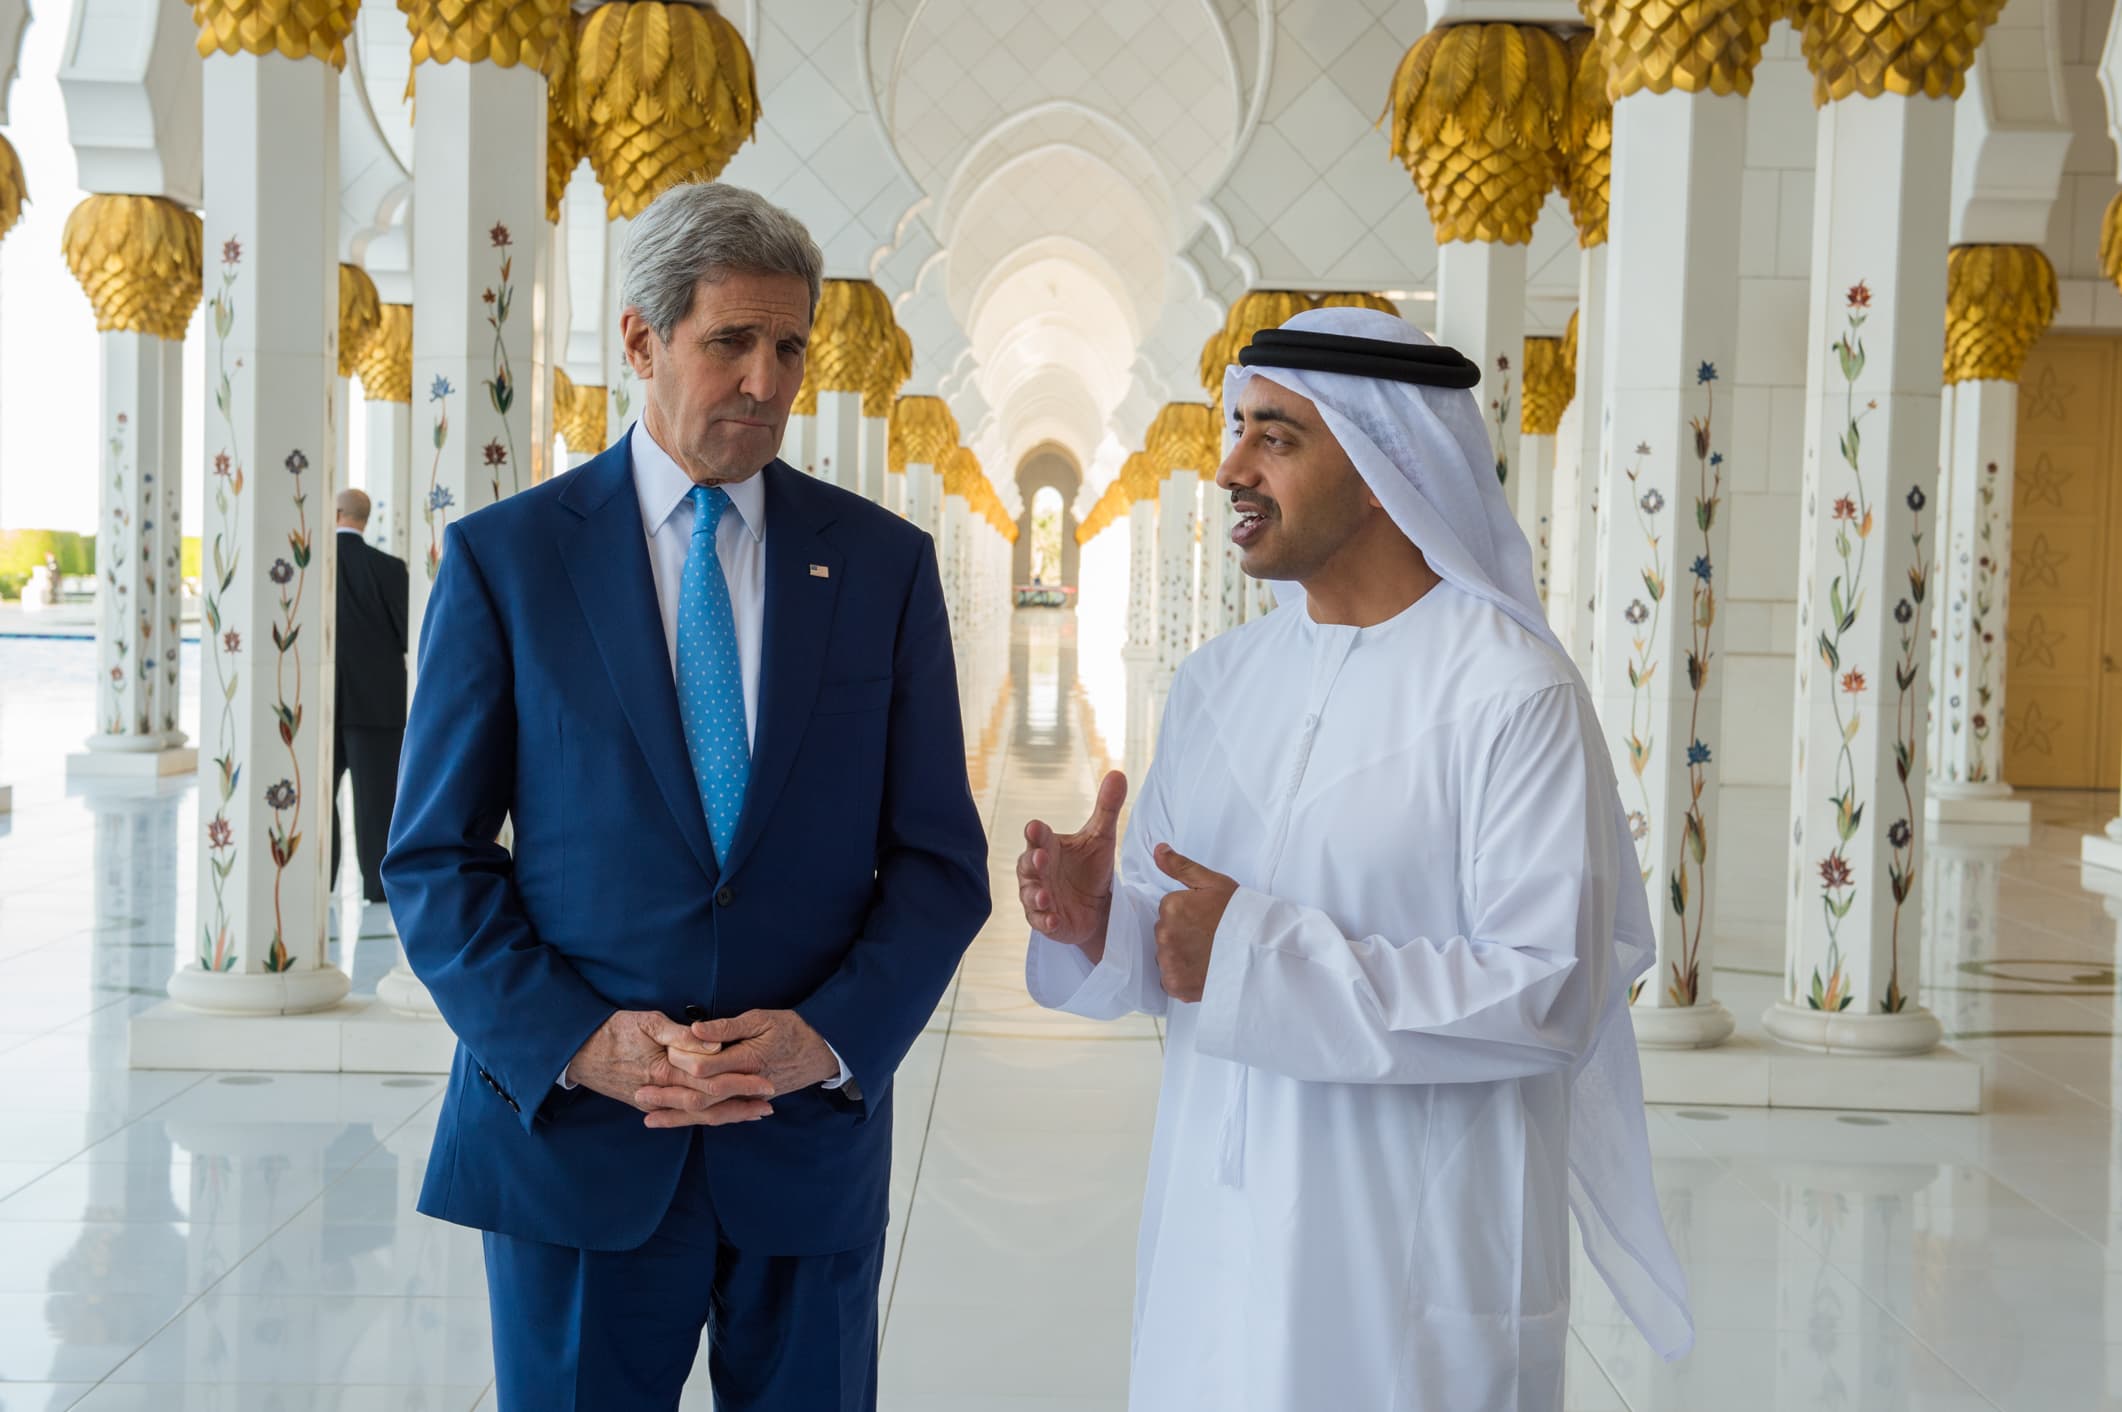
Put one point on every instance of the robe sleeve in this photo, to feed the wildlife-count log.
(1125, 980)
(1518, 994)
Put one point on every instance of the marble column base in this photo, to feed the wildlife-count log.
(248, 994)
(405, 993)
(1681, 1026)
(136, 758)
(7, 798)
(1913, 1031)
(1975, 804)
(354, 1036)
(1753, 1070)
(2100, 850)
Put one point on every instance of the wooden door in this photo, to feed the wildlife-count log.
(2063, 692)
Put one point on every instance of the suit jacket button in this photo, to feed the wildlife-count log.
(695, 1014)
(725, 897)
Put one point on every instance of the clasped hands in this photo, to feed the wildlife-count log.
(712, 1072)
(1065, 883)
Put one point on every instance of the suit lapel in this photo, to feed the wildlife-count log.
(799, 615)
(606, 554)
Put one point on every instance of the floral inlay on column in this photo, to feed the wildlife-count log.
(436, 509)
(217, 949)
(1853, 517)
(1643, 620)
(501, 387)
(1689, 890)
(113, 555)
(285, 796)
(1983, 685)
(1499, 406)
(1908, 723)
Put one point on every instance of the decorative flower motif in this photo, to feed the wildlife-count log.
(1859, 296)
(496, 453)
(498, 235)
(281, 572)
(221, 463)
(1904, 611)
(1502, 362)
(1716, 458)
(1834, 871)
(231, 251)
(1700, 568)
(1706, 373)
(1853, 681)
(296, 462)
(219, 834)
(440, 389)
(1916, 498)
(1845, 508)
(1652, 502)
(440, 499)
(1643, 448)
(1638, 826)
(232, 641)
(118, 674)
(1898, 833)
(486, 296)
(1636, 612)
(280, 795)
(1697, 753)
(1980, 721)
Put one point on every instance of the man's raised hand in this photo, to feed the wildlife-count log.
(1065, 881)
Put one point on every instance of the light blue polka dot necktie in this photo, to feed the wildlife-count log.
(710, 678)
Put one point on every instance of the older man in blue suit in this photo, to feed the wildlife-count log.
(715, 700)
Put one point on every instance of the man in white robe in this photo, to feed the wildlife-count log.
(1378, 884)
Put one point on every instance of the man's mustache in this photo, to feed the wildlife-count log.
(1242, 502)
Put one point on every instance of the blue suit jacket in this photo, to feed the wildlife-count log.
(856, 879)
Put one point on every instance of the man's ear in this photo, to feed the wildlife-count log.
(637, 338)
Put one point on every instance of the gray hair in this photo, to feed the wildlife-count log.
(704, 230)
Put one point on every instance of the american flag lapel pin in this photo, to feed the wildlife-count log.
(819, 571)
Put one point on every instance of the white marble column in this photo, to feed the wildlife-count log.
(1871, 465)
(622, 389)
(1481, 312)
(878, 484)
(1142, 576)
(387, 392)
(954, 551)
(271, 223)
(1671, 326)
(1178, 522)
(924, 499)
(1547, 389)
(479, 186)
(138, 571)
(837, 450)
(1999, 298)
(1222, 607)
(1573, 560)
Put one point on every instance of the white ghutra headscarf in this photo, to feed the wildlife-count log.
(1424, 452)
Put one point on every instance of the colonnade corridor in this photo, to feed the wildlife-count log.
(241, 1240)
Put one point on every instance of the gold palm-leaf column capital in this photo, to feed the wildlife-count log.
(2111, 241)
(14, 189)
(1250, 312)
(505, 33)
(1870, 48)
(1477, 114)
(139, 261)
(922, 432)
(1694, 46)
(890, 373)
(298, 29)
(960, 471)
(1139, 476)
(1182, 437)
(1998, 300)
(385, 362)
(662, 93)
(1569, 351)
(563, 140)
(360, 316)
(1356, 299)
(1548, 387)
(578, 412)
(850, 334)
(1588, 141)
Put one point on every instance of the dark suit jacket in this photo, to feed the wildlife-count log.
(371, 655)
(857, 876)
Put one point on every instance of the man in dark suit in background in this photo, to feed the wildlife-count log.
(371, 688)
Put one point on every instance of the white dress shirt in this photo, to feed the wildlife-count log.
(667, 515)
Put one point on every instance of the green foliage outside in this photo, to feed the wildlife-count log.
(23, 550)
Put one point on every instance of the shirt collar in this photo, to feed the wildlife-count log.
(661, 485)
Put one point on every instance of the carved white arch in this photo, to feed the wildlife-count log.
(2011, 130)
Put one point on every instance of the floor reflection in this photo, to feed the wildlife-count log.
(167, 1240)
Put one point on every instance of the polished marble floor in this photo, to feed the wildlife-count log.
(181, 1241)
